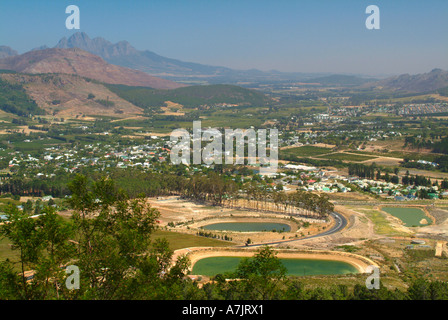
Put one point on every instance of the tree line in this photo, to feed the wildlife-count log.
(215, 188)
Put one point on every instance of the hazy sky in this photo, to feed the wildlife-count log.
(286, 35)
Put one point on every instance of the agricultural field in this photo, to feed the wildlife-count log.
(343, 156)
(305, 151)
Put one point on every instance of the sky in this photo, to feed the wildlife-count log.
(285, 35)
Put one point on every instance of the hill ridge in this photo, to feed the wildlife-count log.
(82, 63)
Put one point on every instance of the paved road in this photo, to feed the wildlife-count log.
(340, 224)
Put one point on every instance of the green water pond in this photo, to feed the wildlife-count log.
(248, 226)
(295, 267)
(411, 217)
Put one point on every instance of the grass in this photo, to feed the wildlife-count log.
(399, 154)
(348, 248)
(176, 241)
(179, 240)
(306, 151)
(417, 255)
(382, 225)
(347, 157)
(6, 252)
(5, 202)
(411, 217)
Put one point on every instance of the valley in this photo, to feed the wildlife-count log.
(362, 175)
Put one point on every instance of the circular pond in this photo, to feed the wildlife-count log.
(295, 267)
(248, 226)
(411, 217)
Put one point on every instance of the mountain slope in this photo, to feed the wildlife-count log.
(123, 54)
(82, 63)
(192, 96)
(68, 95)
(7, 52)
(15, 99)
(419, 83)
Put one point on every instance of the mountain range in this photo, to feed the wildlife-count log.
(7, 52)
(425, 82)
(139, 66)
(124, 54)
(84, 64)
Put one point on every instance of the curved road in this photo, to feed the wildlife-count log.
(341, 222)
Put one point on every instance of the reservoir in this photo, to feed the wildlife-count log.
(295, 267)
(248, 226)
(411, 217)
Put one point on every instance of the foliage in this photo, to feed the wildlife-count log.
(190, 97)
(105, 103)
(108, 238)
(260, 277)
(14, 99)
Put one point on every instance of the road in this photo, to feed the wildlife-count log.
(340, 224)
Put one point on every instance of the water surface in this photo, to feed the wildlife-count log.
(248, 226)
(295, 267)
(410, 216)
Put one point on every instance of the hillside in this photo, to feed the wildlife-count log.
(7, 52)
(14, 99)
(64, 95)
(84, 64)
(192, 96)
(124, 54)
(419, 83)
(67, 95)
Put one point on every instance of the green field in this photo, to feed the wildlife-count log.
(306, 151)
(181, 240)
(347, 157)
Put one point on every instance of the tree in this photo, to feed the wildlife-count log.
(108, 238)
(114, 243)
(42, 244)
(261, 276)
